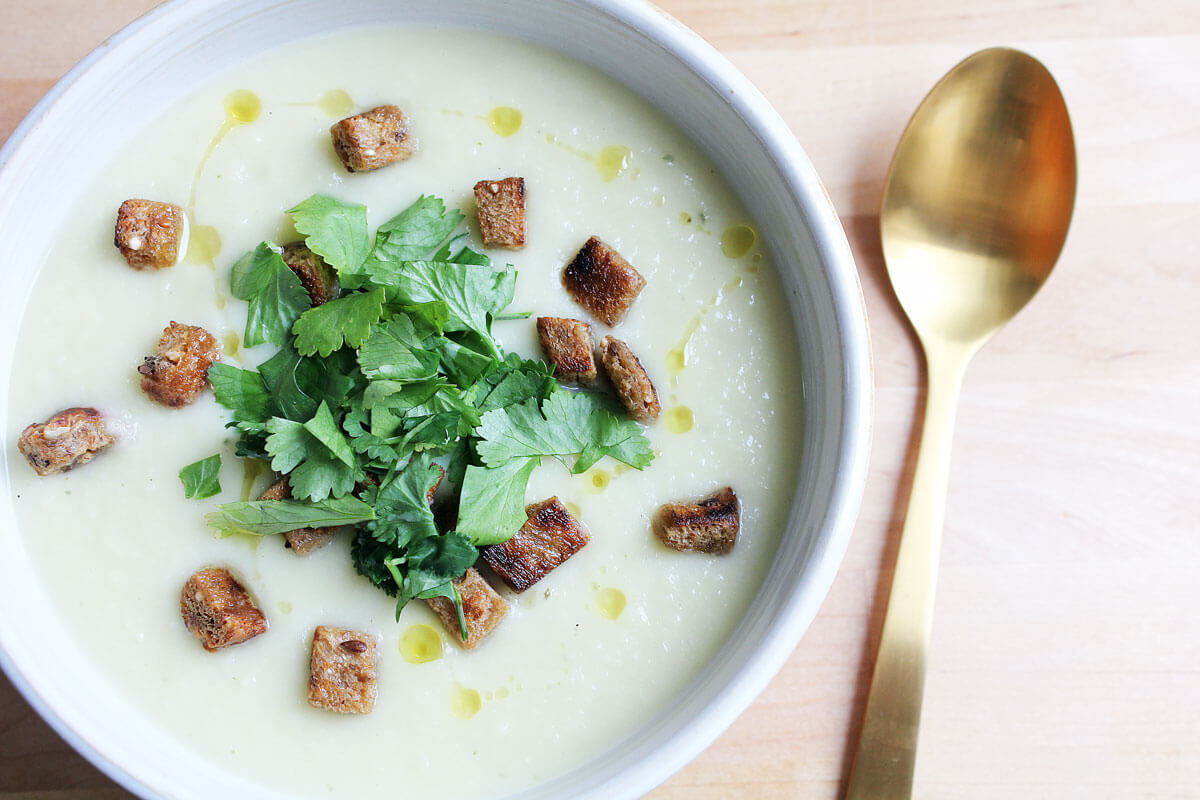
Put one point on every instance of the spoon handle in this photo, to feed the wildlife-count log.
(883, 764)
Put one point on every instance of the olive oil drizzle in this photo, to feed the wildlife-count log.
(505, 120)
(421, 644)
(611, 162)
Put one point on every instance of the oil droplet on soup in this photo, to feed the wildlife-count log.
(505, 120)
(611, 602)
(676, 361)
(737, 240)
(574, 509)
(612, 161)
(465, 703)
(680, 419)
(421, 644)
(231, 343)
(204, 244)
(336, 103)
(597, 479)
(242, 106)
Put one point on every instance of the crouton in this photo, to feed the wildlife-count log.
(342, 671)
(68, 439)
(318, 278)
(568, 345)
(178, 372)
(709, 526)
(483, 609)
(603, 282)
(548, 538)
(501, 207)
(633, 385)
(219, 610)
(151, 234)
(302, 540)
(373, 139)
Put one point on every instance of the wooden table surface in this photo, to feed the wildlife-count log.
(1066, 649)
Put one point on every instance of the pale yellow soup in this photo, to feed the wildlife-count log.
(585, 657)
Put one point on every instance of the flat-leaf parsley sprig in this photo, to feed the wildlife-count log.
(374, 395)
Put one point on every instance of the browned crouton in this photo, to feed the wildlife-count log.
(709, 526)
(373, 139)
(301, 540)
(633, 385)
(318, 278)
(68, 439)
(178, 372)
(483, 609)
(568, 345)
(603, 282)
(501, 207)
(151, 234)
(342, 671)
(548, 538)
(219, 610)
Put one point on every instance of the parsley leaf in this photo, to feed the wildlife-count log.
(202, 479)
(492, 507)
(299, 384)
(471, 293)
(403, 512)
(416, 230)
(267, 517)
(244, 393)
(394, 351)
(437, 560)
(275, 295)
(348, 319)
(568, 423)
(335, 231)
(315, 456)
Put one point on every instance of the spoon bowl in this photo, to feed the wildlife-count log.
(978, 201)
(979, 196)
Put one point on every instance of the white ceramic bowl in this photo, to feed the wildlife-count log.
(85, 120)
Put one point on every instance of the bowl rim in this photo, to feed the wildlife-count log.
(798, 174)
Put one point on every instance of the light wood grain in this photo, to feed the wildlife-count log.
(1066, 648)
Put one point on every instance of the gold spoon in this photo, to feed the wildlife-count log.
(978, 201)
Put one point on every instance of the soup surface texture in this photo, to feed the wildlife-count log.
(585, 657)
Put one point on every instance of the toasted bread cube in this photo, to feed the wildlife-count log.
(483, 608)
(709, 526)
(634, 387)
(342, 671)
(603, 282)
(318, 278)
(151, 234)
(548, 538)
(219, 610)
(302, 540)
(178, 372)
(568, 345)
(501, 207)
(68, 439)
(373, 139)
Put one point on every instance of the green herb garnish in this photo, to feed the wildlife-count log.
(367, 390)
(202, 478)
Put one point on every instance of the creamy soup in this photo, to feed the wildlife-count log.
(588, 655)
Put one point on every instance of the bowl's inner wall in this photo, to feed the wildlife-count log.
(178, 48)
